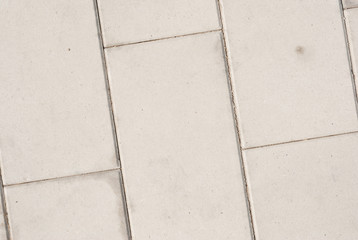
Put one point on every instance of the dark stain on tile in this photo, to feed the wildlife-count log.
(300, 50)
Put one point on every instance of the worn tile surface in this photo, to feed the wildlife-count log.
(86, 207)
(54, 113)
(350, 3)
(351, 16)
(305, 190)
(177, 133)
(290, 69)
(134, 21)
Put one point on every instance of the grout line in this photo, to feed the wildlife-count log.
(164, 38)
(300, 140)
(347, 8)
(236, 119)
(109, 93)
(108, 86)
(62, 177)
(4, 208)
(349, 54)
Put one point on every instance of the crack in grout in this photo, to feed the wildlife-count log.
(164, 38)
(4, 206)
(236, 119)
(300, 140)
(349, 53)
(110, 103)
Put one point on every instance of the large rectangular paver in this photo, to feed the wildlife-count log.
(134, 21)
(79, 208)
(177, 140)
(290, 69)
(55, 119)
(305, 190)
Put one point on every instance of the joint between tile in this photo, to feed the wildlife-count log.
(164, 38)
(62, 177)
(299, 140)
(349, 53)
(4, 208)
(347, 8)
(110, 103)
(236, 119)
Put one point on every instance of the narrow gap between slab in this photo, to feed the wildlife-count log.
(62, 177)
(164, 38)
(350, 7)
(4, 207)
(349, 54)
(300, 140)
(235, 116)
(115, 134)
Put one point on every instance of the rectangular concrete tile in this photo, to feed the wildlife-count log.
(2, 222)
(78, 208)
(290, 69)
(133, 21)
(305, 190)
(350, 3)
(177, 140)
(54, 111)
(351, 16)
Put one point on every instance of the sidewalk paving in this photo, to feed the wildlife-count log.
(216, 119)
